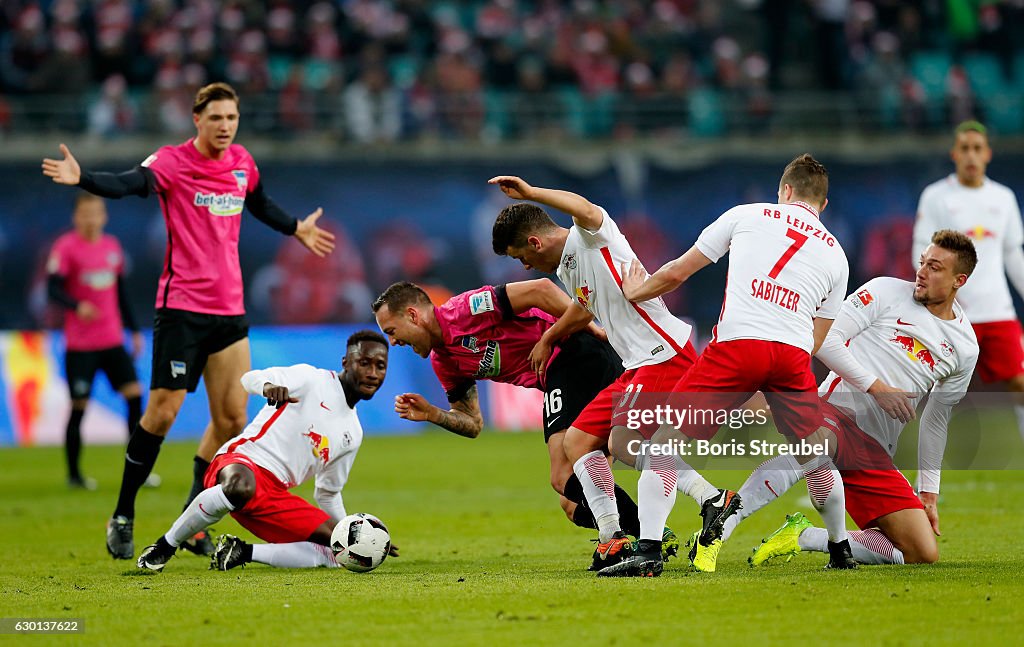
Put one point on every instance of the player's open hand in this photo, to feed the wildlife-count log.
(539, 357)
(930, 500)
(897, 403)
(633, 277)
(317, 240)
(412, 406)
(65, 171)
(277, 396)
(512, 186)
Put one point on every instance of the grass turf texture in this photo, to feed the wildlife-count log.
(487, 557)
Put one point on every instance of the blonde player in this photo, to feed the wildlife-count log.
(653, 344)
(786, 282)
(970, 202)
(308, 429)
(893, 342)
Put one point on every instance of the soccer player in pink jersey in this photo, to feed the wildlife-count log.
(86, 278)
(489, 334)
(895, 341)
(200, 328)
(652, 342)
(970, 202)
(309, 429)
(786, 282)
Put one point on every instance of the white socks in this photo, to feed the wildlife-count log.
(655, 495)
(828, 496)
(595, 476)
(300, 554)
(206, 509)
(869, 546)
(768, 482)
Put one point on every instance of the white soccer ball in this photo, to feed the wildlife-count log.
(360, 542)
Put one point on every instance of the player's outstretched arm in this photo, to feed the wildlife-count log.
(464, 418)
(108, 185)
(542, 294)
(584, 213)
(669, 277)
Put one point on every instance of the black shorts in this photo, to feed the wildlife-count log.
(584, 367)
(81, 365)
(182, 342)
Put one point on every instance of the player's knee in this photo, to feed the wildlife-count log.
(229, 424)
(1016, 383)
(159, 417)
(922, 552)
(239, 486)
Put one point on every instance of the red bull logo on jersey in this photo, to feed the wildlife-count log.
(915, 349)
(979, 232)
(321, 445)
(583, 294)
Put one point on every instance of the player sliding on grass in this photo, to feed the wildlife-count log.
(653, 344)
(786, 282)
(488, 334)
(896, 341)
(308, 429)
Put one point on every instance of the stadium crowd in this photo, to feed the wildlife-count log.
(385, 70)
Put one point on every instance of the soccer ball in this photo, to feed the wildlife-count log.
(360, 542)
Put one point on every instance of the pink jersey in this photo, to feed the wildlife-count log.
(483, 342)
(90, 270)
(202, 202)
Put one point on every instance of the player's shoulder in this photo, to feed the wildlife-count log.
(171, 153)
(999, 189)
(964, 324)
(239, 152)
(883, 290)
(942, 185)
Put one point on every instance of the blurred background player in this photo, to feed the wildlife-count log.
(970, 202)
(895, 341)
(653, 344)
(785, 284)
(308, 429)
(488, 334)
(200, 328)
(86, 277)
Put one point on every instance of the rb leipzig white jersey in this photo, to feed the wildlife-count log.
(318, 436)
(643, 333)
(989, 215)
(785, 269)
(903, 344)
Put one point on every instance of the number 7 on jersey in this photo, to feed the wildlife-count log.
(798, 242)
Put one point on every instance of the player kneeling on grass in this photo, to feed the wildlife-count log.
(894, 341)
(309, 428)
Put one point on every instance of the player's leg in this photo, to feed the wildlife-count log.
(227, 398)
(911, 534)
(769, 481)
(80, 369)
(792, 393)
(177, 365)
(120, 371)
(559, 472)
(1016, 386)
(235, 486)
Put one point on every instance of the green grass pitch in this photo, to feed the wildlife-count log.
(488, 558)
